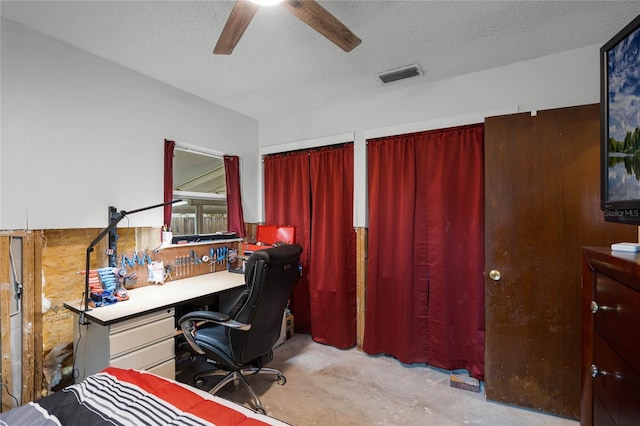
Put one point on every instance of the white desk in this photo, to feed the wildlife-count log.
(155, 297)
(139, 332)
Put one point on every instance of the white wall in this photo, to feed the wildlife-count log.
(80, 133)
(566, 79)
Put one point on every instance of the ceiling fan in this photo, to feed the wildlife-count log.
(308, 11)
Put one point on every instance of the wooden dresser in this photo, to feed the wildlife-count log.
(610, 338)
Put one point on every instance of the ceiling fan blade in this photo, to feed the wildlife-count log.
(318, 18)
(242, 13)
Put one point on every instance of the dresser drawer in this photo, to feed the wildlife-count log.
(616, 391)
(606, 388)
(601, 416)
(618, 324)
(146, 357)
(134, 338)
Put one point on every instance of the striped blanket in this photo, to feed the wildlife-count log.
(130, 397)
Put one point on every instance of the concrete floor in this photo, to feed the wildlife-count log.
(329, 386)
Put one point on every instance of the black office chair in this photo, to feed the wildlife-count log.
(241, 341)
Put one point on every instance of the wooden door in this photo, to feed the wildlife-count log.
(542, 205)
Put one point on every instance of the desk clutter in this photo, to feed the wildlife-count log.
(105, 287)
(136, 269)
(217, 259)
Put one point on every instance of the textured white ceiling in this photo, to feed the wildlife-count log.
(281, 66)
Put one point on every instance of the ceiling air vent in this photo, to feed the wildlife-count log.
(400, 73)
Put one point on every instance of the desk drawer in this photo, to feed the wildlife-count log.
(167, 369)
(146, 357)
(134, 338)
(140, 320)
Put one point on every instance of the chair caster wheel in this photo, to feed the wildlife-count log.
(199, 383)
(282, 380)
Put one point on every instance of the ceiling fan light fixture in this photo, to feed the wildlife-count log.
(308, 11)
(266, 2)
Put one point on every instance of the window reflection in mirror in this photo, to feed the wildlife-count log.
(198, 180)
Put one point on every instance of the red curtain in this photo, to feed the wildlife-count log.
(332, 279)
(287, 198)
(425, 285)
(169, 147)
(235, 216)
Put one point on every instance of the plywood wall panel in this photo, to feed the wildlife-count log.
(250, 231)
(63, 257)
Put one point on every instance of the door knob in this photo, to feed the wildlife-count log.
(494, 275)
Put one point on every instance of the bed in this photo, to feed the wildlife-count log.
(132, 397)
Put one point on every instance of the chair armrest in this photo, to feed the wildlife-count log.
(188, 325)
(214, 317)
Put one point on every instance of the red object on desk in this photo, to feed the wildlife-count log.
(269, 235)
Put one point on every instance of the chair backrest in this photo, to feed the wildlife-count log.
(270, 275)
